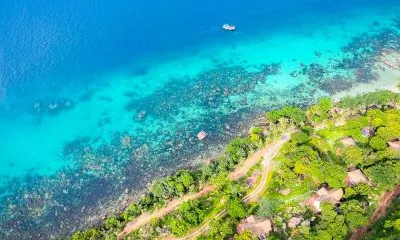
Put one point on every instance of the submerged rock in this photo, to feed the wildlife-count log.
(201, 135)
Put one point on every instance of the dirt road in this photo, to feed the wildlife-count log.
(235, 175)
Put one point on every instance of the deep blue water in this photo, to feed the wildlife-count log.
(49, 44)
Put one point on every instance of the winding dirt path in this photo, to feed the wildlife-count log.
(380, 211)
(267, 152)
(172, 206)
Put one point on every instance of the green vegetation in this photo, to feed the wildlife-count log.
(189, 214)
(235, 208)
(387, 228)
(293, 114)
(310, 160)
(269, 207)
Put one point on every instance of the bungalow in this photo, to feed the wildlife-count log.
(256, 226)
(395, 144)
(324, 195)
(356, 177)
(349, 141)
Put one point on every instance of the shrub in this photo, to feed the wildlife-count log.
(377, 143)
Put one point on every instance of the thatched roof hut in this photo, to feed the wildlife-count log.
(256, 226)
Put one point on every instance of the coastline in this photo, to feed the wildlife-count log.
(175, 203)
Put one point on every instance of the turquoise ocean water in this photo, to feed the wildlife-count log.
(96, 98)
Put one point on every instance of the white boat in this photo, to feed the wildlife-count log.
(228, 27)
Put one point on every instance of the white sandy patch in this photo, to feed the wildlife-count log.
(389, 77)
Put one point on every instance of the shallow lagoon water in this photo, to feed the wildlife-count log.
(107, 104)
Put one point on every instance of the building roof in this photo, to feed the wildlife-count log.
(323, 191)
(348, 141)
(394, 144)
(255, 225)
(294, 221)
(324, 195)
(356, 177)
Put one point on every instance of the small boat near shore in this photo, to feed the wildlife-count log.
(228, 27)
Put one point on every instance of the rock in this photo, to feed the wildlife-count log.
(389, 64)
(226, 91)
(141, 114)
(294, 221)
(305, 223)
(201, 135)
(285, 192)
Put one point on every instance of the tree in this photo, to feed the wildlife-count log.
(237, 150)
(333, 174)
(246, 235)
(389, 226)
(178, 227)
(131, 212)
(89, 234)
(331, 225)
(300, 137)
(395, 224)
(325, 104)
(377, 143)
(353, 156)
(220, 181)
(159, 190)
(236, 208)
(112, 223)
(184, 177)
(383, 174)
(193, 211)
(294, 114)
(220, 229)
(355, 215)
(256, 135)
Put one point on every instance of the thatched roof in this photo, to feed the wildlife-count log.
(348, 141)
(255, 225)
(356, 177)
(324, 195)
(394, 144)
